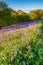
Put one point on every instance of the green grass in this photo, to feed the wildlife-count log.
(24, 47)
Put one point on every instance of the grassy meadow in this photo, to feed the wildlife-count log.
(22, 47)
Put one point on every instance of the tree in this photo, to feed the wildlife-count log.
(36, 14)
(22, 16)
(5, 15)
(3, 5)
(32, 16)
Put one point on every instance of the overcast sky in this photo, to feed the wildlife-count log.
(25, 5)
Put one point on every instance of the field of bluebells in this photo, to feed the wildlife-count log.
(24, 47)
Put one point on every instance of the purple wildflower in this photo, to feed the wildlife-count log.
(28, 47)
(8, 60)
(16, 49)
(20, 57)
(4, 36)
(12, 56)
(23, 36)
(0, 41)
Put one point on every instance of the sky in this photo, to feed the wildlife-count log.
(25, 5)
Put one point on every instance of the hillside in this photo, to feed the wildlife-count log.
(9, 16)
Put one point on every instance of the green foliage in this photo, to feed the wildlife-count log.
(23, 17)
(6, 18)
(36, 14)
(21, 48)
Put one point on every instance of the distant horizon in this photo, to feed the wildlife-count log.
(24, 5)
(27, 11)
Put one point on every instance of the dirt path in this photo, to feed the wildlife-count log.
(32, 26)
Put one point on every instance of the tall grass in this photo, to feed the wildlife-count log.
(24, 47)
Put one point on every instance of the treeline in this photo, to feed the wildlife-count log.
(8, 16)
